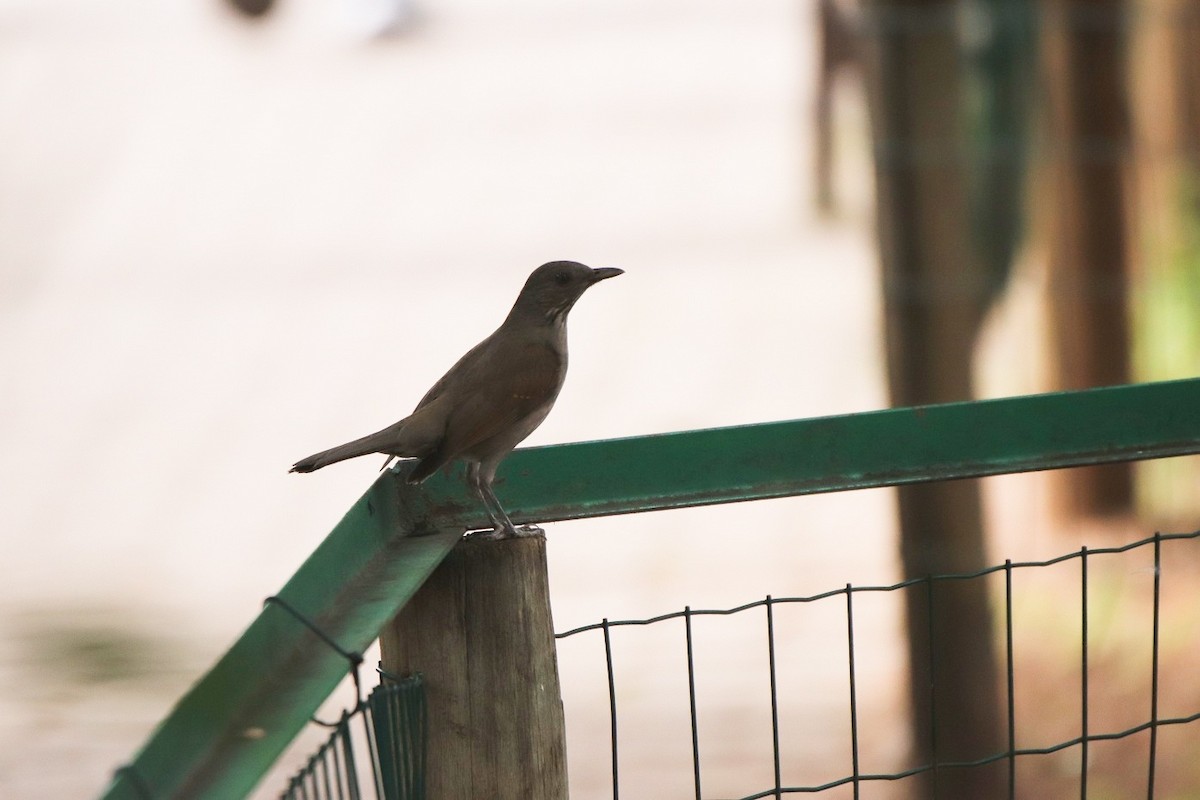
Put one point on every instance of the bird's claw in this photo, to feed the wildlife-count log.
(500, 534)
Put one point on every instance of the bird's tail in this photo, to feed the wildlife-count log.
(381, 442)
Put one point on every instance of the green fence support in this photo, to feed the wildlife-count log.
(229, 728)
(854, 451)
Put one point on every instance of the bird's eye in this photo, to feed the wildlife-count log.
(562, 278)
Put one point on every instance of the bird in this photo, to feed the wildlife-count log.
(492, 398)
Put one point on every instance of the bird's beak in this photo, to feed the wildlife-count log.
(605, 272)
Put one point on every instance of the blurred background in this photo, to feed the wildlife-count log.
(232, 237)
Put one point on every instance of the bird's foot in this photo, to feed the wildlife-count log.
(484, 536)
(499, 534)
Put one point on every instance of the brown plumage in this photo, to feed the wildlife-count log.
(493, 397)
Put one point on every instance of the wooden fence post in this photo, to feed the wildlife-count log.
(480, 631)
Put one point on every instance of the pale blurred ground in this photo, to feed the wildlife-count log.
(226, 246)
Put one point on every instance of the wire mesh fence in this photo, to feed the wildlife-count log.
(391, 722)
(375, 750)
(1090, 692)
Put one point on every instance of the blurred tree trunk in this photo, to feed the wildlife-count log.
(1163, 58)
(837, 47)
(935, 295)
(1088, 230)
(1185, 25)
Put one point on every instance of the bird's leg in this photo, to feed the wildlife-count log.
(503, 526)
(509, 530)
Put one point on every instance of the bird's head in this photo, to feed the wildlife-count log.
(553, 288)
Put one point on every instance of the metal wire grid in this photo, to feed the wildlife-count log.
(394, 733)
(857, 778)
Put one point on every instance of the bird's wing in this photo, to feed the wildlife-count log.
(474, 361)
(498, 407)
(491, 397)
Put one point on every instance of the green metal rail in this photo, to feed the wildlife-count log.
(230, 727)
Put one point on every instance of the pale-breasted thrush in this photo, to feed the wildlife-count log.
(494, 397)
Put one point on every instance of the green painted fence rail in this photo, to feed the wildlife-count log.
(230, 727)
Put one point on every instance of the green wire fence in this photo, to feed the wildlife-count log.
(394, 745)
(390, 752)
